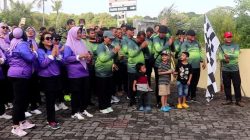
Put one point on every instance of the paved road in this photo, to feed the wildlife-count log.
(201, 121)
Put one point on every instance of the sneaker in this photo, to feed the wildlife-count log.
(77, 116)
(87, 114)
(18, 131)
(227, 103)
(10, 105)
(6, 107)
(179, 106)
(36, 111)
(27, 114)
(239, 103)
(54, 125)
(110, 109)
(26, 125)
(148, 109)
(141, 108)
(56, 108)
(165, 109)
(5, 116)
(168, 108)
(184, 105)
(115, 99)
(63, 106)
(104, 111)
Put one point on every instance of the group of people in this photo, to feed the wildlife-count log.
(101, 62)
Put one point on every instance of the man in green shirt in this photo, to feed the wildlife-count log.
(178, 42)
(229, 55)
(196, 58)
(160, 43)
(135, 55)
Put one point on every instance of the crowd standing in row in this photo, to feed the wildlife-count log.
(101, 62)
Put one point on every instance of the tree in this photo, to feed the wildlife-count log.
(57, 5)
(40, 3)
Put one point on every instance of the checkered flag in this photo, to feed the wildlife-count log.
(212, 44)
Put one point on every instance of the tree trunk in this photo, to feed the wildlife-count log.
(43, 12)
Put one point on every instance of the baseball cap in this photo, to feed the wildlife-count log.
(191, 33)
(129, 27)
(228, 35)
(163, 29)
(108, 34)
(164, 53)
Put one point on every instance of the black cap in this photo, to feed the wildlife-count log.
(180, 32)
(129, 27)
(191, 33)
(163, 29)
(150, 29)
(123, 25)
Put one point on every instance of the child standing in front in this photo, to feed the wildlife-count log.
(142, 88)
(164, 81)
(184, 75)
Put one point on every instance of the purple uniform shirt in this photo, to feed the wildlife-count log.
(74, 67)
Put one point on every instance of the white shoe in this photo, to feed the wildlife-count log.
(26, 125)
(10, 105)
(110, 109)
(56, 108)
(5, 116)
(87, 114)
(6, 107)
(63, 106)
(105, 111)
(36, 111)
(18, 131)
(27, 114)
(115, 99)
(77, 116)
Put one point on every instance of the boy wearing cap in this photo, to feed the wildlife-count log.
(192, 46)
(160, 43)
(164, 71)
(184, 74)
(229, 55)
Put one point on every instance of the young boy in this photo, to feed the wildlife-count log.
(184, 72)
(164, 80)
(142, 88)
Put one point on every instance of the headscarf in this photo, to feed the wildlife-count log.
(4, 42)
(17, 34)
(76, 45)
(32, 39)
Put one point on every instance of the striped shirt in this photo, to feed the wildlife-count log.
(164, 79)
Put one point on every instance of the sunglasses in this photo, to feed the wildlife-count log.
(5, 27)
(48, 38)
(57, 39)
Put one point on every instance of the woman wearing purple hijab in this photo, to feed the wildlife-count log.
(76, 57)
(20, 58)
(34, 97)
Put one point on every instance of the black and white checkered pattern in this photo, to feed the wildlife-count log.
(212, 44)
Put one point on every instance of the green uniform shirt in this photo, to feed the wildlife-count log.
(148, 51)
(134, 53)
(233, 51)
(92, 47)
(159, 46)
(195, 53)
(177, 47)
(104, 61)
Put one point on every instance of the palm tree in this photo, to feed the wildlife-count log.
(40, 3)
(57, 5)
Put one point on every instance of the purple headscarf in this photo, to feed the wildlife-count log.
(32, 38)
(76, 45)
(4, 42)
(17, 33)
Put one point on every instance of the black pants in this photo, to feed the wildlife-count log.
(228, 77)
(194, 82)
(144, 98)
(51, 87)
(158, 98)
(117, 76)
(131, 93)
(7, 86)
(65, 84)
(104, 91)
(79, 88)
(34, 94)
(92, 82)
(2, 94)
(21, 88)
(124, 78)
(149, 66)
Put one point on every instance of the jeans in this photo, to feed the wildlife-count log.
(182, 89)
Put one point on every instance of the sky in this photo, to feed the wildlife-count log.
(144, 7)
